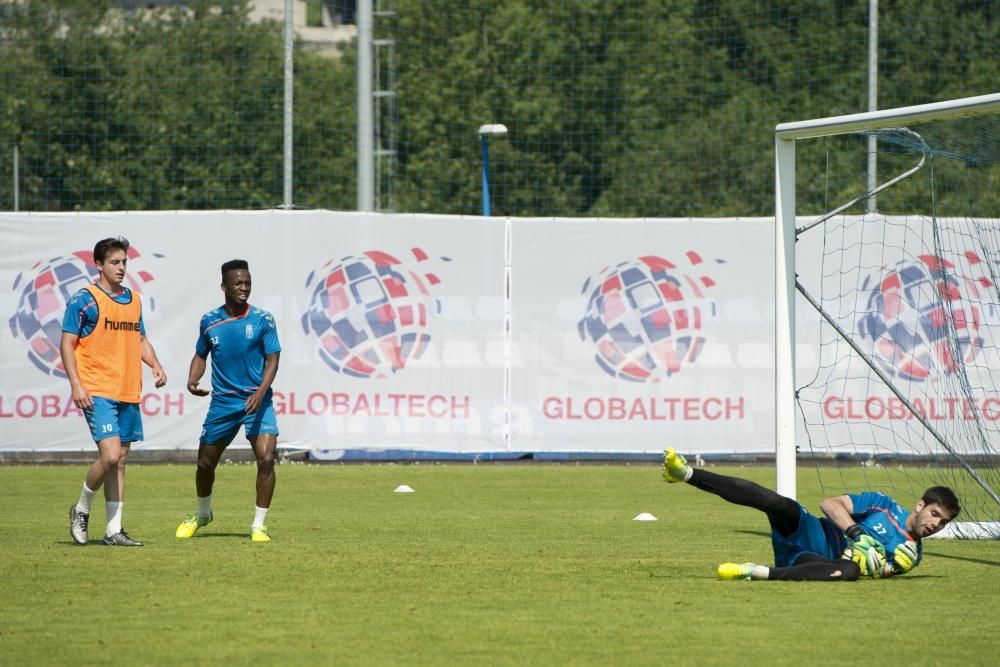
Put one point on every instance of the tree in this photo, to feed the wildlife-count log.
(615, 107)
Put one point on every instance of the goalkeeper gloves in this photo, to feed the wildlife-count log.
(865, 550)
(859, 539)
(904, 558)
(870, 561)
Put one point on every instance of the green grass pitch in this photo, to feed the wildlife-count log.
(482, 565)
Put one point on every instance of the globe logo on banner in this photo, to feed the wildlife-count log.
(645, 316)
(912, 308)
(43, 292)
(370, 314)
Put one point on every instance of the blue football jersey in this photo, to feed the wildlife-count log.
(884, 519)
(238, 347)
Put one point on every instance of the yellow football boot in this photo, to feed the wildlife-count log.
(735, 571)
(190, 525)
(259, 534)
(675, 468)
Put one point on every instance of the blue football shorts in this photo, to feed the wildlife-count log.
(109, 418)
(226, 416)
(809, 538)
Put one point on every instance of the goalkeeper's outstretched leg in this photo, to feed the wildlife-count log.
(782, 513)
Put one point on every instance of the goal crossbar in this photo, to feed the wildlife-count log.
(966, 107)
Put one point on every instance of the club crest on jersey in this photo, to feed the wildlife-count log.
(249, 331)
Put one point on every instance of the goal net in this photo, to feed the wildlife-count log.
(897, 319)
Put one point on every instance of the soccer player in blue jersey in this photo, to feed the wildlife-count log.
(243, 343)
(865, 534)
(103, 345)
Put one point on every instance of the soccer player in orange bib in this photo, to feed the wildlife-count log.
(103, 342)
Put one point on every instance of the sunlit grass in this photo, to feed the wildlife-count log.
(495, 564)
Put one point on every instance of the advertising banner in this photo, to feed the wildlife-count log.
(918, 297)
(391, 327)
(412, 335)
(636, 335)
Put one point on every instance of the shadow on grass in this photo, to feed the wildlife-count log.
(100, 542)
(980, 561)
(91, 543)
(759, 533)
(991, 563)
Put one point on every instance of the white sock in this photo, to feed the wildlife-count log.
(760, 572)
(259, 516)
(205, 505)
(114, 518)
(86, 498)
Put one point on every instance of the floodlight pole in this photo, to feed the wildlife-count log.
(17, 178)
(286, 199)
(872, 99)
(366, 110)
(485, 131)
(486, 176)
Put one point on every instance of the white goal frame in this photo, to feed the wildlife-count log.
(785, 136)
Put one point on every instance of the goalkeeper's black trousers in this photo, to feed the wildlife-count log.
(782, 512)
(783, 515)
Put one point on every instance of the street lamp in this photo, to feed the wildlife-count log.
(485, 132)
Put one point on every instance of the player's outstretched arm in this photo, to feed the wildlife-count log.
(195, 373)
(149, 358)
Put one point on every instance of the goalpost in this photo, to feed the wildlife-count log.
(900, 308)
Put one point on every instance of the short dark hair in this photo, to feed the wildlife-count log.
(233, 265)
(104, 246)
(943, 496)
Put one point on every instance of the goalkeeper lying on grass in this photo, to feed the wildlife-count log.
(866, 534)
